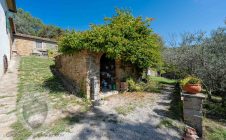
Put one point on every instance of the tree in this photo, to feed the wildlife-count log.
(26, 24)
(204, 57)
(121, 37)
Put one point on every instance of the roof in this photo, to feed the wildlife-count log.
(12, 5)
(34, 38)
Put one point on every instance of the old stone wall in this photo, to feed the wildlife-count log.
(24, 47)
(83, 70)
(74, 68)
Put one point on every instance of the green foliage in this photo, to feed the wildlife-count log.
(133, 86)
(166, 123)
(52, 53)
(163, 80)
(190, 80)
(149, 86)
(26, 24)
(122, 37)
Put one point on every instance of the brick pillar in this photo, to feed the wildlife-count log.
(192, 110)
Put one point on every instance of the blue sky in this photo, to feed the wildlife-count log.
(171, 16)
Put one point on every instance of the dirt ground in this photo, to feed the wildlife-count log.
(124, 116)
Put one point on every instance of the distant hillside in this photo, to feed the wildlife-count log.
(27, 24)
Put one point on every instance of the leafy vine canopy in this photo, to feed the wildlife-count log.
(122, 37)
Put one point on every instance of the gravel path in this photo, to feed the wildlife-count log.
(8, 92)
(104, 123)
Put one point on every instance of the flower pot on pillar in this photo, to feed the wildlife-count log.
(191, 85)
(192, 88)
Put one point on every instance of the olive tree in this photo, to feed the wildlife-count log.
(204, 57)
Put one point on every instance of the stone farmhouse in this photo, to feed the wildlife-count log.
(7, 29)
(25, 45)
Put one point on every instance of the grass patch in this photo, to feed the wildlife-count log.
(214, 130)
(36, 77)
(169, 123)
(126, 109)
(163, 80)
(58, 127)
(166, 123)
(20, 132)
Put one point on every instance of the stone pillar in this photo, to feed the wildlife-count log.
(94, 89)
(192, 110)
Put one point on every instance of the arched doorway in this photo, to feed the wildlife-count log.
(107, 74)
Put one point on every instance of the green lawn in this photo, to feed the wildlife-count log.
(163, 80)
(35, 77)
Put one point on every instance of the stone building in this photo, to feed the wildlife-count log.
(93, 75)
(26, 45)
(7, 29)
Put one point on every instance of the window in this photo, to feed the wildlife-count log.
(38, 44)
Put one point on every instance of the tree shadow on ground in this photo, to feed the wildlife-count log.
(54, 84)
(175, 110)
(111, 126)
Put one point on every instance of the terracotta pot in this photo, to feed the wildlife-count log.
(192, 88)
(123, 86)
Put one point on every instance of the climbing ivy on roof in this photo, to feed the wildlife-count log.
(122, 36)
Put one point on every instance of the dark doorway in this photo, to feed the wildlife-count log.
(107, 74)
(5, 63)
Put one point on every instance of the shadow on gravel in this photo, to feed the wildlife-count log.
(111, 126)
(175, 106)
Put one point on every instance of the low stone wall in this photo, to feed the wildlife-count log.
(23, 47)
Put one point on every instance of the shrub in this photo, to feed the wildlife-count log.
(149, 86)
(52, 53)
(133, 86)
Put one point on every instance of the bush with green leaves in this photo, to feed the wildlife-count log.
(134, 86)
(123, 37)
(149, 86)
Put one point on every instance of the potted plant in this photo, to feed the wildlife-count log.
(191, 85)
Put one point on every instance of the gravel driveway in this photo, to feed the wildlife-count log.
(104, 122)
